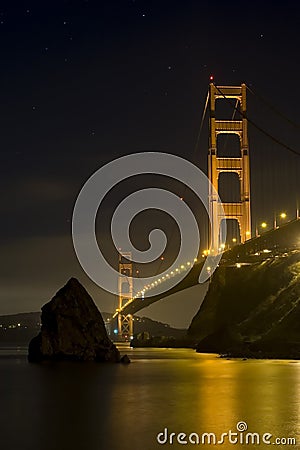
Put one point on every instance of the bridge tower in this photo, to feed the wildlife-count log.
(125, 293)
(239, 211)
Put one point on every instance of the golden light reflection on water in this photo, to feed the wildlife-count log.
(264, 394)
(121, 407)
(203, 393)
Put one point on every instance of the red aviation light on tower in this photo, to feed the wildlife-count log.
(211, 78)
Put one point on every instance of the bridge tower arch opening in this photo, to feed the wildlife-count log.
(233, 232)
(229, 187)
(237, 210)
(125, 293)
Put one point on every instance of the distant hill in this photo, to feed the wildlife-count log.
(154, 328)
(19, 329)
(31, 319)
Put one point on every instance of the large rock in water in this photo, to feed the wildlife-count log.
(72, 329)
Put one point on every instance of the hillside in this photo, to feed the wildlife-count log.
(252, 308)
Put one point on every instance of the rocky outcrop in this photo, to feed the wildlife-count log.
(72, 329)
(252, 311)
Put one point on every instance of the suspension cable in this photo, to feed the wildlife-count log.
(201, 125)
(193, 157)
(266, 133)
(273, 108)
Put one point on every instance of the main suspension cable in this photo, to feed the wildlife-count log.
(273, 108)
(266, 133)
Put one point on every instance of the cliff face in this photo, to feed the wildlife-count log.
(72, 328)
(252, 309)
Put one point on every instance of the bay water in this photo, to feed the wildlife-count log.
(166, 398)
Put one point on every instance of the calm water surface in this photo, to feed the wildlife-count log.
(73, 406)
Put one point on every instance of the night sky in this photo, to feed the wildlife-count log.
(84, 82)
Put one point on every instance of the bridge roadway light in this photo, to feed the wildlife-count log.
(264, 225)
(282, 216)
(234, 240)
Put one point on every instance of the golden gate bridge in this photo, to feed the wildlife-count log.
(251, 240)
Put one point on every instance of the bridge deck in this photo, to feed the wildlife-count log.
(271, 243)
